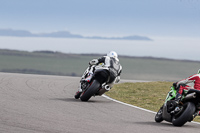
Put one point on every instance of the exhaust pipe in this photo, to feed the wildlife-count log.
(190, 96)
(104, 89)
(107, 87)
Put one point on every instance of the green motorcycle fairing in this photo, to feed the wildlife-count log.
(172, 94)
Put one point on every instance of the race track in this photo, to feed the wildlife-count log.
(46, 104)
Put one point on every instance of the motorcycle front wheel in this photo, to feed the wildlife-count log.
(158, 117)
(184, 115)
(91, 91)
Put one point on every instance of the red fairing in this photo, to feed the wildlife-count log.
(196, 79)
(182, 88)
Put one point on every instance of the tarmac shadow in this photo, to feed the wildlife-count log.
(66, 99)
(78, 100)
(152, 123)
(162, 124)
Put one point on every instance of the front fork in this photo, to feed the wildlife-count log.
(88, 71)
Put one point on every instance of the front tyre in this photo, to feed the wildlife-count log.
(91, 91)
(158, 117)
(185, 114)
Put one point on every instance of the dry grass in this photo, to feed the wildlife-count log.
(148, 95)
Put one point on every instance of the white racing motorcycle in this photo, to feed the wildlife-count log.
(101, 81)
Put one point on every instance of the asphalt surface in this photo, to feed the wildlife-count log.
(46, 104)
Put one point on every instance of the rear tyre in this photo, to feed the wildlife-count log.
(91, 91)
(186, 114)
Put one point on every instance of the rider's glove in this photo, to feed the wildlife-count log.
(175, 84)
(93, 62)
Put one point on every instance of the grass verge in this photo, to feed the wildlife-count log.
(148, 95)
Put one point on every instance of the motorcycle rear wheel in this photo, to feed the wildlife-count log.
(91, 91)
(189, 109)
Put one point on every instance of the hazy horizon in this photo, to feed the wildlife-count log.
(161, 47)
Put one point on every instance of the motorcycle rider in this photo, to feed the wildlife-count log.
(110, 61)
(183, 85)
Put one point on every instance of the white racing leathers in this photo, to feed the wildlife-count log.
(108, 63)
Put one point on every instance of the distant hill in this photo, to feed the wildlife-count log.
(65, 34)
(69, 64)
(60, 54)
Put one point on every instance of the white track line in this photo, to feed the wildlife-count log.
(128, 104)
(135, 106)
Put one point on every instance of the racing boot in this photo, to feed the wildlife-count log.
(178, 98)
(194, 115)
(173, 104)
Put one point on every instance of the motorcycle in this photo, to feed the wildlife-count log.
(101, 82)
(185, 111)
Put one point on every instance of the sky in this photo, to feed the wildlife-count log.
(170, 23)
